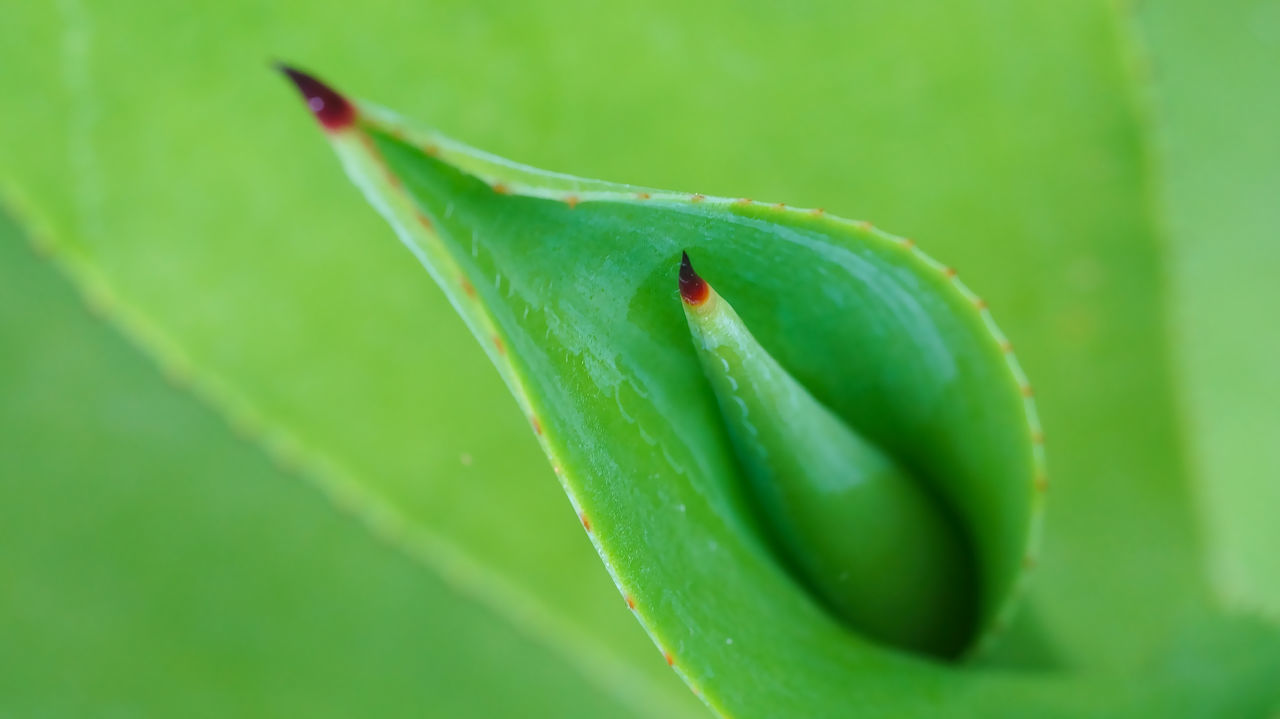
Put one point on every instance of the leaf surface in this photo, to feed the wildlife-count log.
(157, 565)
(1220, 161)
(1002, 135)
(1043, 216)
(667, 513)
(570, 286)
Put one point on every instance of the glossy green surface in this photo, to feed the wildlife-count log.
(871, 541)
(595, 354)
(153, 145)
(667, 512)
(1043, 216)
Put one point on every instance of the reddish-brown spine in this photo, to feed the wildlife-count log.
(333, 111)
(693, 289)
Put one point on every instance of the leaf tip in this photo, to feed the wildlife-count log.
(693, 289)
(332, 110)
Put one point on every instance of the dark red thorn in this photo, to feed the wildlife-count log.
(332, 110)
(693, 289)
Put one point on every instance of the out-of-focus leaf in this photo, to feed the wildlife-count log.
(154, 564)
(1217, 110)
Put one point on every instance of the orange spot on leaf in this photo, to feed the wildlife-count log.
(501, 188)
(1006, 346)
(1027, 391)
(697, 198)
(631, 603)
(742, 201)
(497, 343)
(586, 523)
(425, 221)
(372, 149)
(571, 201)
(671, 661)
(908, 243)
(1037, 437)
(948, 272)
(537, 426)
(468, 288)
(817, 212)
(432, 150)
(980, 303)
(642, 195)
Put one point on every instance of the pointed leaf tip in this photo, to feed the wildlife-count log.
(332, 110)
(693, 289)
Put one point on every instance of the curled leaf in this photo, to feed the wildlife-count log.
(569, 284)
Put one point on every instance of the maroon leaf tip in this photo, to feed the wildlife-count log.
(332, 110)
(693, 289)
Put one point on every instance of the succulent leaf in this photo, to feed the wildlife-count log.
(568, 284)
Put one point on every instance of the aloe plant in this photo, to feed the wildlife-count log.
(157, 164)
(875, 460)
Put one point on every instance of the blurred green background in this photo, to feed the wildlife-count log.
(251, 464)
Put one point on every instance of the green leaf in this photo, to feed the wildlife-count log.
(1004, 135)
(568, 284)
(1215, 125)
(186, 576)
(561, 280)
